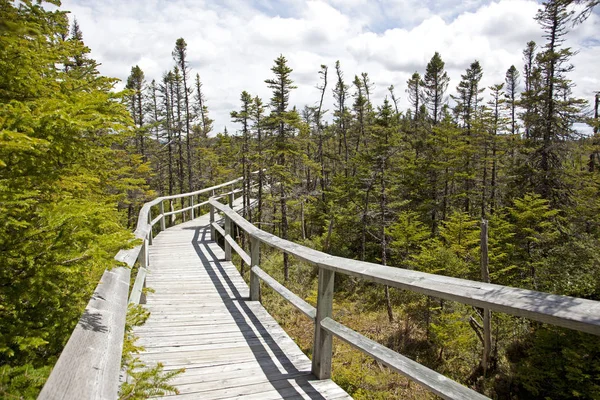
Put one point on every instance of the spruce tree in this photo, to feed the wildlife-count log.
(64, 185)
(467, 102)
(512, 88)
(243, 117)
(136, 83)
(180, 57)
(558, 109)
(435, 84)
(341, 115)
(257, 115)
(283, 122)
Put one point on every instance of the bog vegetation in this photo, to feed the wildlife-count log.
(403, 188)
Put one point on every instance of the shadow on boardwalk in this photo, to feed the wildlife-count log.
(253, 330)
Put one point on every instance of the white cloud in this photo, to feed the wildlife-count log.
(232, 43)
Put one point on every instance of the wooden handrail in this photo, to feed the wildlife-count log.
(90, 363)
(565, 311)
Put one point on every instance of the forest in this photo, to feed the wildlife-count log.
(407, 188)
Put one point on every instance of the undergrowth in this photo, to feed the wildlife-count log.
(143, 381)
(358, 374)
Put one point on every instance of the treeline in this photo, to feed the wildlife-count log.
(409, 188)
(67, 179)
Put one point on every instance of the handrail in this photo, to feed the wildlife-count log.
(90, 363)
(565, 311)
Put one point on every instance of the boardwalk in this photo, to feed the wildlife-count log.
(201, 320)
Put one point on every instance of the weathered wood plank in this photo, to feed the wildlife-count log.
(201, 320)
(569, 312)
(89, 365)
(138, 286)
(244, 256)
(437, 383)
(296, 301)
(322, 345)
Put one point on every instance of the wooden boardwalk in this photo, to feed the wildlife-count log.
(201, 320)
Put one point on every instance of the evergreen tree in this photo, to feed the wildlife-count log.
(558, 110)
(435, 84)
(243, 117)
(180, 57)
(65, 179)
(341, 115)
(512, 87)
(415, 94)
(136, 83)
(257, 115)
(467, 101)
(283, 122)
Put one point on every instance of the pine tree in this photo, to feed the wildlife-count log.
(558, 110)
(180, 57)
(415, 94)
(136, 83)
(435, 84)
(512, 87)
(257, 115)
(202, 130)
(243, 117)
(64, 182)
(283, 122)
(467, 101)
(319, 130)
(166, 90)
(341, 115)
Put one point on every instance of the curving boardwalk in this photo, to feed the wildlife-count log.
(201, 319)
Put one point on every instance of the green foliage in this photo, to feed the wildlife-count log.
(142, 381)
(22, 382)
(555, 363)
(458, 346)
(64, 180)
(148, 382)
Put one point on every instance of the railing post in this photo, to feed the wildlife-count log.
(231, 198)
(322, 341)
(143, 256)
(227, 232)
(254, 262)
(192, 209)
(212, 220)
(162, 220)
(173, 216)
(150, 224)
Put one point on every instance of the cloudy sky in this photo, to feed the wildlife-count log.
(232, 43)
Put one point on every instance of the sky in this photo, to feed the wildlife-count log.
(232, 43)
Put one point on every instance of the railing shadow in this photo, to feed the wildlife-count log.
(252, 330)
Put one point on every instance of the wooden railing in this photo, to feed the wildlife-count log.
(90, 363)
(569, 312)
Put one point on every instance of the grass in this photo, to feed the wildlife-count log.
(360, 375)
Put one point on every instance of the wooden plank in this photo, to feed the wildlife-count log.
(296, 301)
(284, 389)
(155, 220)
(129, 256)
(227, 248)
(136, 291)
(437, 383)
(200, 320)
(569, 312)
(322, 339)
(218, 229)
(244, 256)
(238, 382)
(89, 365)
(255, 261)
